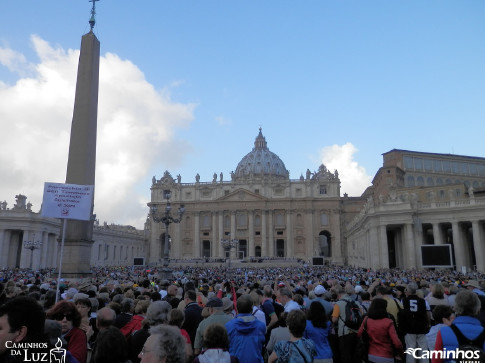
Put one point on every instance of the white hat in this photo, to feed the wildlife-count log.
(319, 290)
(358, 289)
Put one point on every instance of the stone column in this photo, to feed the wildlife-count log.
(233, 252)
(458, 246)
(221, 233)
(3, 247)
(215, 242)
(251, 252)
(309, 238)
(373, 239)
(264, 239)
(409, 242)
(438, 239)
(45, 249)
(384, 255)
(271, 234)
(290, 246)
(177, 247)
(478, 245)
(196, 246)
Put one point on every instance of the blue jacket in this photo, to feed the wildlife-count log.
(319, 336)
(246, 338)
(469, 326)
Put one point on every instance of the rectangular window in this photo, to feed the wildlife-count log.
(408, 162)
(446, 166)
(437, 165)
(257, 233)
(324, 219)
(323, 189)
(279, 233)
(256, 191)
(418, 163)
(428, 164)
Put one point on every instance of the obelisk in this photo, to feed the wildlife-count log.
(81, 164)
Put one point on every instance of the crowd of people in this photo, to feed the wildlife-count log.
(254, 314)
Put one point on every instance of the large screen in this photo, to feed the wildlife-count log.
(436, 255)
(138, 261)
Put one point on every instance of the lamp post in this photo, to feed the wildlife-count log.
(166, 219)
(32, 245)
(228, 245)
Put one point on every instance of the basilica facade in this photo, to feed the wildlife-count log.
(415, 199)
(271, 215)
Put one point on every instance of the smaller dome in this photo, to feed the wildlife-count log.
(261, 162)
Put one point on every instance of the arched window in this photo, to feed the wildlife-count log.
(410, 180)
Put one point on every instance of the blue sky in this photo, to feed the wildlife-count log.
(186, 85)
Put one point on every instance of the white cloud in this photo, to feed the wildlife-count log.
(136, 125)
(353, 177)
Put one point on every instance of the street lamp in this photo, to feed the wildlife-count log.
(32, 245)
(166, 219)
(228, 245)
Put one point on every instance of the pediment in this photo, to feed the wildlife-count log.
(242, 195)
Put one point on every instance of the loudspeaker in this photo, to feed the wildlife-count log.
(317, 261)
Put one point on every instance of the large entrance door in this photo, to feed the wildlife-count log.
(325, 244)
(280, 248)
(206, 248)
(243, 249)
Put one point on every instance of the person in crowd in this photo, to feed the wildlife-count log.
(176, 318)
(347, 338)
(443, 315)
(127, 309)
(171, 297)
(415, 321)
(256, 297)
(473, 285)
(22, 320)
(246, 333)
(157, 313)
(105, 318)
(111, 347)
(279, 333)
(216, 316)
(365, 300)
(268, 309)
(318, 329)
(193, 314)
(393, 304)
(284, 296)
(88, 324)
(135, 323)
(67, 314)
(216, 343)
(436, 296)
(467, 308)
(53, 335)
(297, 349)
(319, 292)
(164, 345)
(384, 343)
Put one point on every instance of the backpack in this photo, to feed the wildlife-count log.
(470, 347)
(353, 315)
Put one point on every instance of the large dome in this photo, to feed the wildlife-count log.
(261, 162)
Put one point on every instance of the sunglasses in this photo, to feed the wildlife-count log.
(60, 317)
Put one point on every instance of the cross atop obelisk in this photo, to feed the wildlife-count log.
(92, 21)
